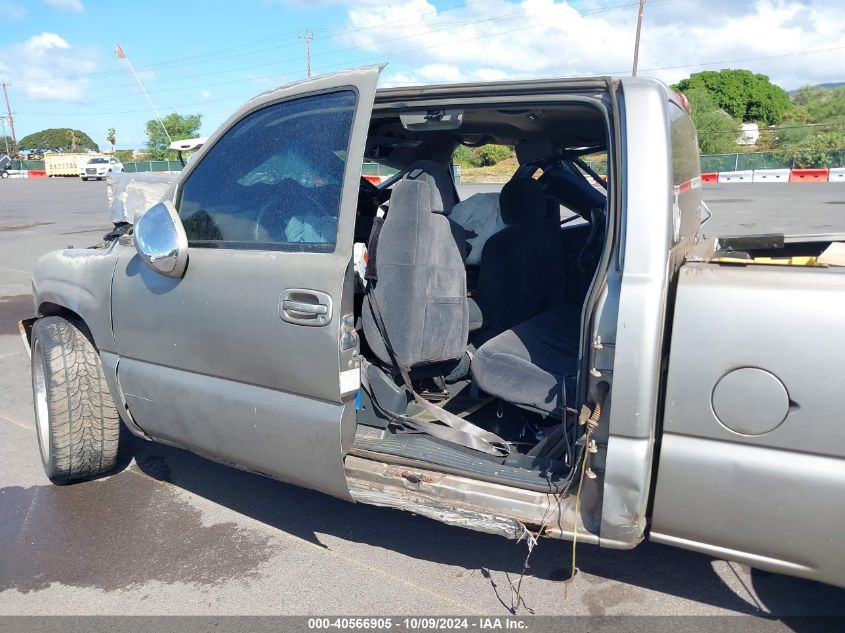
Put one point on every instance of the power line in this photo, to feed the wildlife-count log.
(205, 56)
(506, 17)
(747, 59)
(485, 36)
(780, 128)
(441, 27)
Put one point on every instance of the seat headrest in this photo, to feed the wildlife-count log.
(522, 200)
(443, 196)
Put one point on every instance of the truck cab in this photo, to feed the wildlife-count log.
(281, 314)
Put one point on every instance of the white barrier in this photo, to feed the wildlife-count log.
(837, 174)
(771, 175)
(18, 173)
(736, 176)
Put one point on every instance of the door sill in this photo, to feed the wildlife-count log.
(416, 450)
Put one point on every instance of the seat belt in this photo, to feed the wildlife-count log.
(453, 428)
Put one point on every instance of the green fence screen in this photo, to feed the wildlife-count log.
(153, 165)
(37, 165)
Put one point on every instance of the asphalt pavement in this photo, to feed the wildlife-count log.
(172, 533)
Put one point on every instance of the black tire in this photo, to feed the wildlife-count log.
(84, 179)
(77, 424)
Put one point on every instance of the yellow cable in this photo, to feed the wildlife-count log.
(592, 422)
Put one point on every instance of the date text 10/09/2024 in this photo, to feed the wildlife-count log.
(416, 623)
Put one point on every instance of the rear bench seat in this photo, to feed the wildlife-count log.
(526, 365)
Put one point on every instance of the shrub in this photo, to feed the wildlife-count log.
(465, 157)
(493, 154)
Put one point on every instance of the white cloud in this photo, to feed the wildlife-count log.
(12, 9)
(499, 39)
(66, 5)
(48, 68)
(205, 95)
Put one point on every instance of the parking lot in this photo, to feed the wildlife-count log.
(172, 533)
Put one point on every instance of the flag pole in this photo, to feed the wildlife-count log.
(122, 55)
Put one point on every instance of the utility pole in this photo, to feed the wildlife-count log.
(307, 37)
(9, 110)
(637, 40)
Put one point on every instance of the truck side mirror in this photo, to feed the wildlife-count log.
(161, 241)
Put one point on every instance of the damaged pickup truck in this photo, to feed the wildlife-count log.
(590, 370)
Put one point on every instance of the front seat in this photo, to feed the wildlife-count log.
(417, 300)
(522, 265)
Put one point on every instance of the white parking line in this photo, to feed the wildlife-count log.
(16, 270)
(22, 425)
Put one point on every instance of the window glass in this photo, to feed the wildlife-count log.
(686, 174)
(274, 180)
(685, 162)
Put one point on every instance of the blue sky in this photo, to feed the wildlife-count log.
(209, 57)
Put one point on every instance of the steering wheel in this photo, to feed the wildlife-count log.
(275, 215)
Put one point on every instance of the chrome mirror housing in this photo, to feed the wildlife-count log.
(161, 241)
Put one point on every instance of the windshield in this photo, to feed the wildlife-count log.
(97, 161)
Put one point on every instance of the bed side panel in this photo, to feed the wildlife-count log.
(752, 461)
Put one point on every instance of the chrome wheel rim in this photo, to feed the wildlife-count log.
(42, 415)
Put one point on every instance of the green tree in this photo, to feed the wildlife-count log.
(483, 156)
(57, 139)
(465, 157)
(824, 149)
(814, 134)
(744, 95)
(493, 154)
(822, 105)
(717, 130)
(178, 126)
(8, 146)
(124, 155)
(111, 137)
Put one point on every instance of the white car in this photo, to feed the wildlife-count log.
(99, 167)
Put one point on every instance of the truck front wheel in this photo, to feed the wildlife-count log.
(77, 423)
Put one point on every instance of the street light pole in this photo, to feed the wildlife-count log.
(637, 40)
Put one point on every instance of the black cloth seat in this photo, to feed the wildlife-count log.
(419, 294)
(527, 364)
(522, 266)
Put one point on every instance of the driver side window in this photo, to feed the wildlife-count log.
(273, 181)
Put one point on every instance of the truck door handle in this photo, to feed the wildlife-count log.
(305, 307)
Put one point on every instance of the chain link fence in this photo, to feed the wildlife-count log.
(769, 160)
(709, 163)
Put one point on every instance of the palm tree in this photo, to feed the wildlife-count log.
(111, 138)
(72, 139)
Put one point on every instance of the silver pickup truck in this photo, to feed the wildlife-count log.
(599, 373)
